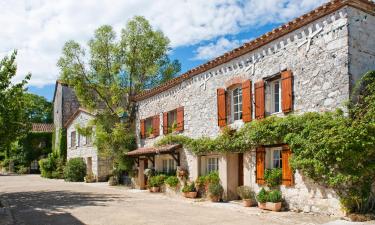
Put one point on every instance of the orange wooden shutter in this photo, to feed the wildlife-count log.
(286, 91)
(180, 119)
(165, 123)
(221, 111)
(142, 124)
(259, 100)
(260, 161)
(246, 101)
(287, 172)
(156, 125)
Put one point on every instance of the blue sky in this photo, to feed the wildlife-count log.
(198, 30)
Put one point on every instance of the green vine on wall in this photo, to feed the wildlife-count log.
(335, 149)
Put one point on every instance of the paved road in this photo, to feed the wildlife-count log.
(34, 200)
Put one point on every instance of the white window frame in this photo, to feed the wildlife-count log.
(271, 159)
(239, 103)
(212, 164)
(273, 99)
(168, 165)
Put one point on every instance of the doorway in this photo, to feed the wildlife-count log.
(240, 169)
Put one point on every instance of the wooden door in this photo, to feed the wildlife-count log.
(240, 169)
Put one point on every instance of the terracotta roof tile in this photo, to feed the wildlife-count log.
(154, 150)
(42, 127)
(323, 10)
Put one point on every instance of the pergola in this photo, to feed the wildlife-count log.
(150, 152)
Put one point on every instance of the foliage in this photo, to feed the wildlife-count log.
(149, 172)
(22, 170)
(213, 178)
(262, 196)
(38, 109)
(14, 122)
(156, 181)
(201, 181)
(75, 170)
(215, 189)
(273, 177)
(189, 188)
(274, 196)
(60, 149)
(172, 181)
(48, 166)
(85, 131)
(245, 192)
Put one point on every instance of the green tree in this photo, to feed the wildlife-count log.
(38, 109)
(13, 118)
(114, 71)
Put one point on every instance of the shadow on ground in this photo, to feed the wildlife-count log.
(47, 207)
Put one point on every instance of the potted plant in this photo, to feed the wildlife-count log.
(273, 177)
(247, 195)
(189, 190)
(274, 200)
(156, 182)
(215, 191)
(172, 182)
(262, 198)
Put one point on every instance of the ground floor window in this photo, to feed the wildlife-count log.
(273, 158)
(169, 165)
(212, 164)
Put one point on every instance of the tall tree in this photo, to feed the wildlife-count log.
(13, 118)
(114, 71)
(38, 109)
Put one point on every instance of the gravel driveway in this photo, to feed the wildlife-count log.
(35, 200)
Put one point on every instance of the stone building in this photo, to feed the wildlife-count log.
(81, 145)
(308, 64)
(65, 104)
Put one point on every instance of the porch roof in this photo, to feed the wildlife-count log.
(154, 150)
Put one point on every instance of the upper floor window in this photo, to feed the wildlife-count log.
(276, 96)
(89, 139)
(236, 106)
(73, 139)
(172, 121)
(148, 127)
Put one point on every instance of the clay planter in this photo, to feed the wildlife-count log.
(190, 194)
(215, 198)
(262, 205)
(274, 206)
(248, 202)
(154, 189)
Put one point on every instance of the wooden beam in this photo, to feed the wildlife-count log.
(152, 159)
(176, 157)
(137, 161)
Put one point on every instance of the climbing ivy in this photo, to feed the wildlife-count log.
(335, 149)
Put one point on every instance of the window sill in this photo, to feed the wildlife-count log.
(237, 124)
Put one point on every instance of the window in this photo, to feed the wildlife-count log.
(79, 140)
(73, 139)
(274, 159)
(88, 139)
(172, 121)
(169, 165)
(236, 104)
(212, 164)
(275, 92)
(148, 127)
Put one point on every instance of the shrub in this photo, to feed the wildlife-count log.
(215, 189)
(262, 196)
(157, 181)
(213, 178)
(75, 170)
(23, 170)
(245, 192)
(274, 196)
(172, 181)
(273, 177)
(189, 188)
(201, 181)
(48, 165)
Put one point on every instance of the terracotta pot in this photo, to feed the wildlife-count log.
(262, 205)
(192, 194)
(155, 189)
(215, 198)
(247, 202)
(274, 206)
(185, 194)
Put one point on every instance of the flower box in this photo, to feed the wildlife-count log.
(276, 207)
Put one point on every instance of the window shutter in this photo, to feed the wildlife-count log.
(156, 125)
(260, 162)
(287, 173)
(287, 91)
(165, 123)
(180, 118)
(259, 100)
(246, 101)
(142, 124)
(221, 111)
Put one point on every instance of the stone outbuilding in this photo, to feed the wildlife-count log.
(309, 64)
(82, 146)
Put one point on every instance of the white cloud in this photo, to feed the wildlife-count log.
(39, 28)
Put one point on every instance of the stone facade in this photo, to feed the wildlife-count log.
(96, 164)
(325, 56)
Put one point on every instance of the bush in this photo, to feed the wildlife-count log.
(189, 188)
(274, 196)
(215, 189)
(172, 181)
(75, 170)
(201, 181)
(23, 170)
(157, 181)
(245, 192)
(273, 177)
(48, 165)
(262, 196)
(213, 178)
